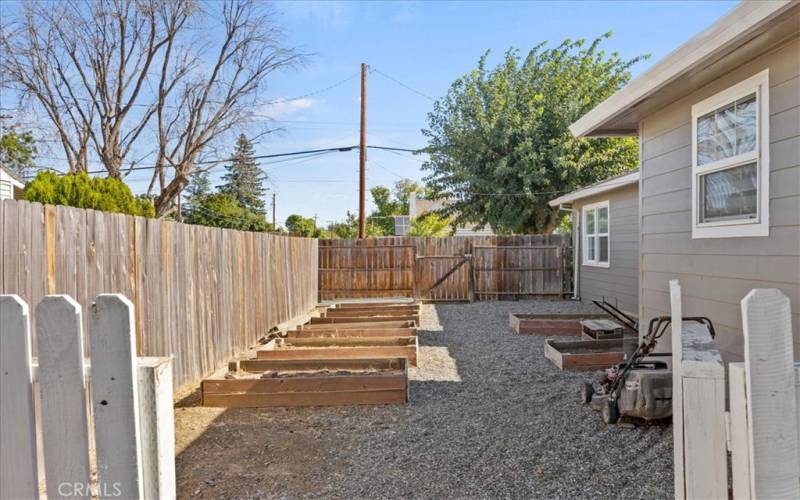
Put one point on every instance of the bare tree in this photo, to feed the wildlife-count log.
(117, 76)
(86, 64)
(216, 96)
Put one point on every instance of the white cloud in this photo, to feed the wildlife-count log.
(282, 108)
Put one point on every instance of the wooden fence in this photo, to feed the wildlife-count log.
(761, 430)
(201, 294)
(131, 438)
(458, 268)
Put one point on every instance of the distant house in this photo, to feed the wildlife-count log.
(605, 228)
(418, 206)
(718, 121)
(11, 185)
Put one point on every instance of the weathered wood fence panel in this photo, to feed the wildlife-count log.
(201, 294)
(458, 268)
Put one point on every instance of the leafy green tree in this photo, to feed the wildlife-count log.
(349, 228)
(499, 142)
(17, 151)
(199, 185)
(298, 225)
(80, 190)
(431, 224)
(244, 179)
(223, 210)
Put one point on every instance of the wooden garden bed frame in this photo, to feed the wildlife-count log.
(333, 332)
(550, 325)
(340, 348)
(359, 313)
(388, 386)
(583, 355)
(357, 319)
(358, 326)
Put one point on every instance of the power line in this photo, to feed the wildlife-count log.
(398, 82)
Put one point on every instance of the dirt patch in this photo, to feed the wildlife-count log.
(489, 417)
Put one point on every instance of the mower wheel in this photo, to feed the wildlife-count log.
(587, 391)
(610, 412)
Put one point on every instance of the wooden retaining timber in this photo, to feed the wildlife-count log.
(370, 313)
(302, 365)
(358, 326)
(583, 355)
(353, 332)
(315, 389)
(375, 305)
(550, 325)
(368, 320)
(341, 348)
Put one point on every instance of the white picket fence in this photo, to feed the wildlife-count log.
(761, 431)
(128, 401)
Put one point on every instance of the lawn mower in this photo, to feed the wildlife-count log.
(641, 386)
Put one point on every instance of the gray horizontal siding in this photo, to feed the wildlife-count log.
(716, 274)
(618, 283)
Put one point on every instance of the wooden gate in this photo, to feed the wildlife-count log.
(444, 278)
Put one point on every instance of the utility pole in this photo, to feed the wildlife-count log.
(274, 227)
(362, 157)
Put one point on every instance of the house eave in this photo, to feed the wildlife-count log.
(690, 66)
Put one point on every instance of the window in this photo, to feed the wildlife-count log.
(596, 235)
(401, 225)
(730, 161)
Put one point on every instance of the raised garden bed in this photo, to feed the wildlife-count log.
(582, 355)
(550, 325)
(341, 348)
(321, 383)
(370, 313)
(373, 305)
(353, 332)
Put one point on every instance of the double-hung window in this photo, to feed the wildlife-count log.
(596, 245)
(730, 161)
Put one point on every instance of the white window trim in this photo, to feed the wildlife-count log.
(758, 84)
(585, 237)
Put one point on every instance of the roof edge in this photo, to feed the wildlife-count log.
(599, 188)
(744, 18)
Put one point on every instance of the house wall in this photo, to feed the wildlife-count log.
(715, 274)
(618, 282)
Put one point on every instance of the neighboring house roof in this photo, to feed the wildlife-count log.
(12, 177)
(748, 30)
(598, 188)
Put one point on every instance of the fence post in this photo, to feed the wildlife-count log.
(62, 386)
(677, 395)
(115, 396)
(19, 475)
(156, 421)
(771, 395)
(740, 449)
(699, 391)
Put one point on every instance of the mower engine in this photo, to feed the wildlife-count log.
(641, 386)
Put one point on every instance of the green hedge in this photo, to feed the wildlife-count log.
(81, 191)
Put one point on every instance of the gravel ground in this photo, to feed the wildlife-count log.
(489, 417)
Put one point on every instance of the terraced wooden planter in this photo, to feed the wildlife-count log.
(334, 332)
(310, 383)
(340, 348)
(550, 325)
(358, 325)
(361, 319)
(584, 355)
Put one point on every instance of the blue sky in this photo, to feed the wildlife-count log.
(425, 45)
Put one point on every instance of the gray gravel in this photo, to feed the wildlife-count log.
(489, 417)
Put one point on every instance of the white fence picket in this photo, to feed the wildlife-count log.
(62, 387)
(740, 448)
(677, 393)
(699, 391)
(771, 395)
(156, 419)
(115, 396)
(19, 476)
